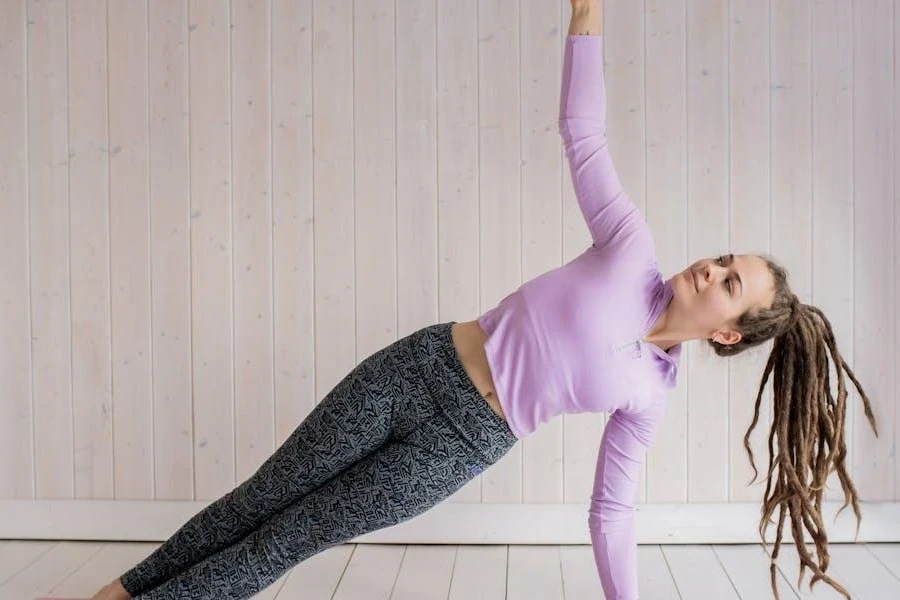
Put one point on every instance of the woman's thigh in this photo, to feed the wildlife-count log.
(414, 393)
(396, 483)
(353, 420)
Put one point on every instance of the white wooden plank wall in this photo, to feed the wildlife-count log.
(213, 210)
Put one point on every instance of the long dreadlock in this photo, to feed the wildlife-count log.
(808, 421)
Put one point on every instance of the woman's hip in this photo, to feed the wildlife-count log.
(438, 394)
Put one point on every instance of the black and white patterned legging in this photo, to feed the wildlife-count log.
(402, 431)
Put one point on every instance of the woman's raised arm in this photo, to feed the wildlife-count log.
(614, 221)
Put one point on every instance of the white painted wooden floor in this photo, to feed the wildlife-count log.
(29, 569)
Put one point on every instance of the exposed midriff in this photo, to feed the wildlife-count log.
(468, 340)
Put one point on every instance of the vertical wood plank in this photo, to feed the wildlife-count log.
(171, 250)
(293, 219)
(129, 217)
(48, 235)
(666, 194)
(333, 140)
(252, 218)
(499, 192)
(17, 467)
(749, 217)
(703, 374)
(542, 475)
(385, 235)
(874, 244)
(457, 173)
(896, 180)
(790, 89)
(89, 251)
(832, 190)
(211, 248)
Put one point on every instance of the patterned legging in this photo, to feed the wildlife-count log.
(402, 431)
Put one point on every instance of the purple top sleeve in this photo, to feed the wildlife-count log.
(607, 209)
(611, 515)
(611, 217)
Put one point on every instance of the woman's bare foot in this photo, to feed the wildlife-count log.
(112, 591)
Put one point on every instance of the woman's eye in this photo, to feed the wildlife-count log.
(727, 283)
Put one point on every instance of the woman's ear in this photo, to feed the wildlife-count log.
(727, 337)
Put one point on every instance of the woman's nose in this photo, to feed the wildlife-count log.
(709, 271)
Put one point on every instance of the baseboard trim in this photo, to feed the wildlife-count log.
(451, 522)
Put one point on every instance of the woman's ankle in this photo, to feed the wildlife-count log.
(120, 589)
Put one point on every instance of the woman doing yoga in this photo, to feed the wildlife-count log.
(415, 421)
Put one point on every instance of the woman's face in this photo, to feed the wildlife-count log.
(712, 293)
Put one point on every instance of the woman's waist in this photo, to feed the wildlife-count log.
(468, 340)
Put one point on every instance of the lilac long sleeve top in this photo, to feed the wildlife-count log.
(571, 340)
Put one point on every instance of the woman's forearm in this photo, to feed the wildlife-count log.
(587, 17)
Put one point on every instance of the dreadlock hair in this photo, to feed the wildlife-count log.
(807, 420)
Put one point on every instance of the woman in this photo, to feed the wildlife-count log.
(415, 421)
